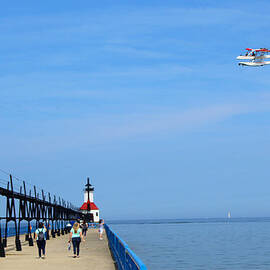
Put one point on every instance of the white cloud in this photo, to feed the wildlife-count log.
(108, 24)
(158, 72)
(80, 133)
(136, 52)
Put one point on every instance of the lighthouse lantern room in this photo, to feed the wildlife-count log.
(89, 208)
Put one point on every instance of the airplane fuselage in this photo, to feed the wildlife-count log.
(250, 57)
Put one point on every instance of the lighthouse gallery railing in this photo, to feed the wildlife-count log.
(125, 258)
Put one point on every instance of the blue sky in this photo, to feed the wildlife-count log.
(144, 97)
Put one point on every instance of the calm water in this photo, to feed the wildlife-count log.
(199, 244)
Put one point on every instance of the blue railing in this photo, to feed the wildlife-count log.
(11, 230)
(24, 229)
(125, 258)
(92, 225)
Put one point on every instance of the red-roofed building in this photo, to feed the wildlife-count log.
(89, 207)
(92, 206)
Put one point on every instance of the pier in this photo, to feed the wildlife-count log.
(24, 208)
(94, 255)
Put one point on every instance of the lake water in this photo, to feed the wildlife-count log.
(199, 244)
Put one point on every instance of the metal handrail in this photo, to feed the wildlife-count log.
(125, 258)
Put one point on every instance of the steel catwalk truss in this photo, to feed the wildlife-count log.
(54, 214)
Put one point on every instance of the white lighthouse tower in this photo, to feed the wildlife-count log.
(89, 208)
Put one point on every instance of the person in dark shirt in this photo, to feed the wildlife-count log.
(84, 228)
(40, 235)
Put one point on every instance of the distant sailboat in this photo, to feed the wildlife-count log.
(229, 214)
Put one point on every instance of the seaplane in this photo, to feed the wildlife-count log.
(255, 57)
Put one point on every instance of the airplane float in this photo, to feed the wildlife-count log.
(255, 57)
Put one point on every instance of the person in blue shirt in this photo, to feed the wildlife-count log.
(40, 235)
(76, 237)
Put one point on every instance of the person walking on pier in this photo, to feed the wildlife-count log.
(100, 228)
(84, 228)
(69, 226)
(40, 235)
(76, 237)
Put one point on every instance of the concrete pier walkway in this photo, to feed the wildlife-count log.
(94, 255)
